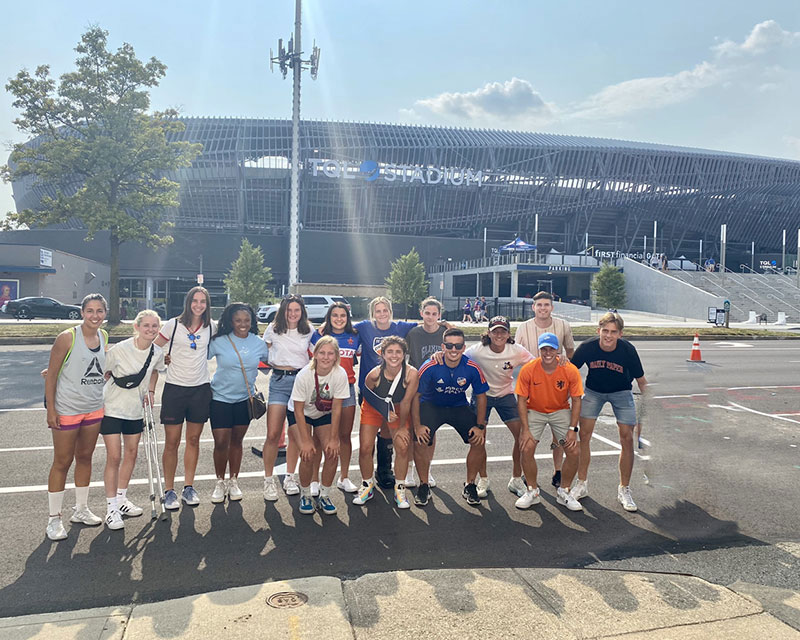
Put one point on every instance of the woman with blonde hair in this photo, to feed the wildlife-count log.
(132, 368)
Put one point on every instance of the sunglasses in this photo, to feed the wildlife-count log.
(450, 345)
(193, 340)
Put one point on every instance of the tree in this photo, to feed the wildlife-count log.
(98, 148)
(248, 278)
(608, 286)
(407, 282)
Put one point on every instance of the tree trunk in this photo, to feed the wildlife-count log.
(113, 293)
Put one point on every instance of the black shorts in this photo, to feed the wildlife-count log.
(225, 415)
(185, 403)
(109, 426)
(462, 419)
(314, 422)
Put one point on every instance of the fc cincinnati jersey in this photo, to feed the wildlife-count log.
(348, 346)
(447, 387)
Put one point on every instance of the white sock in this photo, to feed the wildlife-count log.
(81, 497)
(55, 500)
(324, 491)
(305, 491)
(111, 504)
(516, 478)
(122, 495)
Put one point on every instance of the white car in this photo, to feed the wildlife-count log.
(317, 306)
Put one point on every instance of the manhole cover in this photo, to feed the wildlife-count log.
(287, 599)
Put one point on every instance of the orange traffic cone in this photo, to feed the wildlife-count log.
(696, 357)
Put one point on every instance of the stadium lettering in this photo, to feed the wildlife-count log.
(406, 173)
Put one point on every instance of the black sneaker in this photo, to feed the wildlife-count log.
(556, 481)
(423, 495)
(470, 494)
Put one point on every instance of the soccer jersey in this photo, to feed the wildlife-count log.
(609, 371)
(498, 368)
(447, 387)
(188, 366)
(549, 392)
(348, 347)
(371, 338)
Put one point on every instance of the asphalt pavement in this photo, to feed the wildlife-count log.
(715, 485)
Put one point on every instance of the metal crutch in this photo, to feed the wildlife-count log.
(151, 452)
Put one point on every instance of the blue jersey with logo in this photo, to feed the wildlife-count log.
(446, 387)
(371, 338)
(348, 347)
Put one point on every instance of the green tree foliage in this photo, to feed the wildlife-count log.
(96, 143)
(608, 286)
(248, 278)
(407, 283)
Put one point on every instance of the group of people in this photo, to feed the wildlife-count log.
(413, 378)
(474, 311)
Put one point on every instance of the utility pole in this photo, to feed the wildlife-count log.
(291, 58)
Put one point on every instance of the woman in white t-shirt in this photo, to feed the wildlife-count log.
(132, 368)
(187, 390)
(287, 337)
(316, 410)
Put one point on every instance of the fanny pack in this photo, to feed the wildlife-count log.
(322, 404)
(134, 380)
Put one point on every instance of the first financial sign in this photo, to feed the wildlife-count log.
(370, 171)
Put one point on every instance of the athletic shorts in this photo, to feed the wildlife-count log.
(110, 426)
(280, 387)
(558, 421)
(462, 419)
(351, 401)
(191, 404)
(314, 422)
(621, 402)
(226, 415)
(505, 406)
(373, 418)
(70, 423)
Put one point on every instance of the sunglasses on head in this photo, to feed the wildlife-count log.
(450, 345)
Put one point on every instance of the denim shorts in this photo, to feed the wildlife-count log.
(351, 401)
(280, 389)
(506, 407)
(621, 403)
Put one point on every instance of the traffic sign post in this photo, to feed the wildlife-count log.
(727, 306)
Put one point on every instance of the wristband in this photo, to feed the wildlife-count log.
(481, 426)
(576, 428)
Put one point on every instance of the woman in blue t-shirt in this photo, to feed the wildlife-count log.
(238, 350)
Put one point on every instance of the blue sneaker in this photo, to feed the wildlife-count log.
(171, 500)
(189, 496)
(306, 505)
(326, 506)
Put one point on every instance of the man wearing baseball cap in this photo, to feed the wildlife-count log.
(544, 390)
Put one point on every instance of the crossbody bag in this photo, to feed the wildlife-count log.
(256, 404)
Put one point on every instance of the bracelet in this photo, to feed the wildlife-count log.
(481, 426)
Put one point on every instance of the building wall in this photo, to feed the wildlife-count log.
(75, 277)
(648, 289)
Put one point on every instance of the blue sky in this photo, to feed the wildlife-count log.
(717, 74)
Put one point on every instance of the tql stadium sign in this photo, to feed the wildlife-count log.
(371, 171)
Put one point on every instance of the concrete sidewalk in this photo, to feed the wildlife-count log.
(445, 603)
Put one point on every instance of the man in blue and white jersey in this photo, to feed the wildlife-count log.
(442, 396)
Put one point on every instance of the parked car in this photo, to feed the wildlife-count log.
(27, 308)
(316, 305)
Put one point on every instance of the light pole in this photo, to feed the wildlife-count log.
(286, 59)
(723, 245)
(783, 254)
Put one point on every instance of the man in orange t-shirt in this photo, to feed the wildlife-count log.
(544, 390)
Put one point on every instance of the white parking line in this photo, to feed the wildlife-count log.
(761, 413)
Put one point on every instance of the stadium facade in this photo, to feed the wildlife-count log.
(369, 192)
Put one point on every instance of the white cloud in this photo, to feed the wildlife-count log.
(514, 101)
(764, 37)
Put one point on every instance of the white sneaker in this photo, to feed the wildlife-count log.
(565, 497)
(290, 485)
(315, 489)
(625, 498)
(55, 529)
(114, 520)
(234, 492)
(127, 508)
(483, 486)
(431, 480)
(517, 487)
(218, 495)
(400, 497)
(410, 481)
(580, 490)
(528, 499)
(84, 516)
(270, 490)
(346, 485)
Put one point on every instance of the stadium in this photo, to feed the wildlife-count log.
(369, 192)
